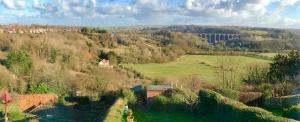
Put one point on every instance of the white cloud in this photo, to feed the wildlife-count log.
(77, 7)
(242, 12)
(44, 7)
(227, 8)
(14, 4)
(239, 12)
(288, 2)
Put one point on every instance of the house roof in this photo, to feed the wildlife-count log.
(158, 87)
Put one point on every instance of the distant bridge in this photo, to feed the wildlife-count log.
(213, 38)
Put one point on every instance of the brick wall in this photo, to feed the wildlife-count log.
(153, 93)
(30, 101)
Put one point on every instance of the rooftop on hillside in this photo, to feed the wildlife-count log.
(158, 87)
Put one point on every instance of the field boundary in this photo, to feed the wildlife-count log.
(115, 112)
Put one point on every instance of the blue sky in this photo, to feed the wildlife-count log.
(260, 13)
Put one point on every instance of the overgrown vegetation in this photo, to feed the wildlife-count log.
(39, 88)
(115, 113)
(66, 63)
(19, 62)
(225, 109)
(293, 112)
(280, 78)
(92, 30)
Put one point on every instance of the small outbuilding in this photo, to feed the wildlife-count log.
(104, 63)
(156, 90)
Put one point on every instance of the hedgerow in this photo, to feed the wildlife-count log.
(226, 109)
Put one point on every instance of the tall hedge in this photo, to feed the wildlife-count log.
(228, 110)
(115, 112)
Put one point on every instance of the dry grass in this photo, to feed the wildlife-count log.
(79, 72)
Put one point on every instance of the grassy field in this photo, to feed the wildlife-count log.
(203, 66)
(271, 55)
(160, 116)
(255, 32)
(261, 38)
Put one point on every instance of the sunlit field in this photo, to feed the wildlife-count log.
(203, 66)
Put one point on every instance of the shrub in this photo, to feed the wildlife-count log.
(257, 74)
(233, 94)
(177, 100)
(52, 57)
(66, 58)
(160, 103)
(19, 62)
(129, 96)
(158, 81)
(39, 88)
(112, 57)
(183, 100)
(16, 116)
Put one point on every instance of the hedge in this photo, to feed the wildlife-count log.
(115, 112)
(228, 110)
(294, 112)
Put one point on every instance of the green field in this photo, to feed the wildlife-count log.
(203, 66)
(170, 116)
(261, 32)
(261, 38)
(271, 55)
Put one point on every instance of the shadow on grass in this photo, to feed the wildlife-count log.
(84, 110)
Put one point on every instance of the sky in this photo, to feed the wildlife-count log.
(101, 13)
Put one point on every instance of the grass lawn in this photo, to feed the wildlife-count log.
(161, 116)
(271, 55)
(203, 66)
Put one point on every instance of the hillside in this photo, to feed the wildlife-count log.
(62, 60)
(71, 58)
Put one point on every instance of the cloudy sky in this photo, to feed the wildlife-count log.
(262, 13)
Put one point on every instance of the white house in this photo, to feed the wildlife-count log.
(104, 63)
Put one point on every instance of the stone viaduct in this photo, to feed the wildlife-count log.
(212, 38)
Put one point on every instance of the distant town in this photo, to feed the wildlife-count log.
(35, 29)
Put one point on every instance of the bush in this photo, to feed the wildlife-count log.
(129, 96)
(177, 100)
(229, 93)
(19, 62)
(52, 57)
(160, 103)
(226, 109)
(66, 58)
(39, 88)
(16, 116)
(158, 81)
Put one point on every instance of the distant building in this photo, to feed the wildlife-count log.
(104, 63)
(11, 31)
(156, 90)
(20, 31)
(1, 30)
